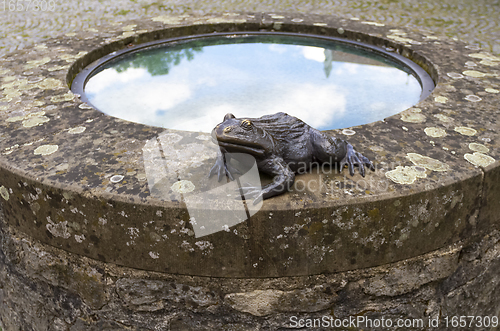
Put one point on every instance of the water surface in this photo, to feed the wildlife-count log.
(191, 85)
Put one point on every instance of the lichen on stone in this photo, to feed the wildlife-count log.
(167, 19)
(183, 186)
(36, 63)
(78, 129)
(435, 132)
(491, 90)
(484, 56)
(50, 84)
(413, 115)
(441, 99)
(405, 175)
(472, 98)
(479, 148)
(46, 149)
(427, 162)
(479, 159)
(4, 193)
(443, 118)
(474, 73)
(463, 130)
(63, 97)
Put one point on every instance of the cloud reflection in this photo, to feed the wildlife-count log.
(251, 80)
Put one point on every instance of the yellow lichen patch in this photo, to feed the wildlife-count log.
(57, 68)
(70, 57)
(427, 162)
(431, 37)
(435, 132)
(400, 39)
(127, 34)
(130, 27)
(491, 90)
(475, 73)
(78, 129)
(479, 159)
(65, 97)
(473, 98)
(479, 148)
(41, 46)
(8, 79)
(413, 115)
(441, 99)
(167, 19)
(70, 34)
(50, 84)
(91, 30)
(465, 130)
(443, 118)
(489, 63)
(46, 150)
(226, 20)
(183, 186)
(36, 63)
(35, 121)
(373, 23)
(397, 32)
(4, 193)
(484, 56)
(405, 175)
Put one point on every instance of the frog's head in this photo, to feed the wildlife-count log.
(242, 136)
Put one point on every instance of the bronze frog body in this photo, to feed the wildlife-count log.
(282, 145)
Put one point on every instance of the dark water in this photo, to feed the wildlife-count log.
(192, 85)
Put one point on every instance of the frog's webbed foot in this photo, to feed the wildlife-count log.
(222, 168)
(353, 158)
(282, 181)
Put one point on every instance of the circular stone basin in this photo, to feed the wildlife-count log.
(139, 195)
(191, 83)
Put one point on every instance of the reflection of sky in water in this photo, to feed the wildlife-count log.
(325, 88)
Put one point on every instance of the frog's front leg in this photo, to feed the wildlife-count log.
(283, 180)
(353, 158)
(222, 167)
(334, 150)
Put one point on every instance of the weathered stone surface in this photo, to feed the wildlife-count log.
(265, 302)
(458, 280)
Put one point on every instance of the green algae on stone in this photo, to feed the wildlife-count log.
(479, 159)
(427, 162)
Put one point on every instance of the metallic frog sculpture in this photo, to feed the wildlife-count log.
(282, 146)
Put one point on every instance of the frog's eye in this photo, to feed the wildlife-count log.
(246, 124)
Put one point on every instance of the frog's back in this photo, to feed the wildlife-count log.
(283, 127)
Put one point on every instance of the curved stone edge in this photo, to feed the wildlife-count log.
(45, 288)
(403, 41)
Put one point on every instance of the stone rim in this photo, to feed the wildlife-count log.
(460, 187)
